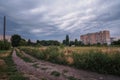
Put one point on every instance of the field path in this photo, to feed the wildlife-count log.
(42, 70)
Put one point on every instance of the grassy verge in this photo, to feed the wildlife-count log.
(94, 60)
(2, 51)
(51, 54)
(9, 70)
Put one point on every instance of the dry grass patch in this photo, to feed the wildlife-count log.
(109, 50)
(4, 54)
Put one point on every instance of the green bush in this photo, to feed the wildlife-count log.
(98, 62)
(22, 56)
(51, 54)
(4, 45)
(114, 64)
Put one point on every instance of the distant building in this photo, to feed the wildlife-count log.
(8, 38)
(101, 37)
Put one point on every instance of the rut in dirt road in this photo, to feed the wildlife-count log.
(41, 70)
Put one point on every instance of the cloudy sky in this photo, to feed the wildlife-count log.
(53, 19)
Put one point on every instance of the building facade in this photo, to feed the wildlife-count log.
(101, 37)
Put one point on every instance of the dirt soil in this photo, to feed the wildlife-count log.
(42, 70)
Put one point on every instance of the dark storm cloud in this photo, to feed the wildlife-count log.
(46, 19)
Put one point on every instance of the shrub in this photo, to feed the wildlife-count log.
(98, 62)
(4, 45)
(114, 67)
(51, 54)
(26, 59)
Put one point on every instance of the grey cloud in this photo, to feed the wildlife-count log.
(45, 19)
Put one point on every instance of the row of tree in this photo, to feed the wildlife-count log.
(117, 43)
(18, 41)
(48, 42)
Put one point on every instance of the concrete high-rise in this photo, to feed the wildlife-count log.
(101, 37)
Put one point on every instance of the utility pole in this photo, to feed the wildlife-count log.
(4, 28)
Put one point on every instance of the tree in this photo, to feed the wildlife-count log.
(116, 43)
(5, 45)
(80, 43)
(23, 42)
(64, 42)
(67, 40)
(48, 42)
(37, 41)
(15, 40)
(76, 42)
(29, 42)
(71, 43)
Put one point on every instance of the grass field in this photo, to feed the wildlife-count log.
(88, 49)
(8, 70)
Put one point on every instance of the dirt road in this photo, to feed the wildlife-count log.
(41, 70)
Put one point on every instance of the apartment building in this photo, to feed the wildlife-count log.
(97, 37)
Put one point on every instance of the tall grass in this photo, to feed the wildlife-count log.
(94, 60)
(99, 62)
(22, 56)
(51, 54)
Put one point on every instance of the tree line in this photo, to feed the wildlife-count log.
(17, 40)
(116, 43)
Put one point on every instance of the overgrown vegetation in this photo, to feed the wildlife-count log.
(99, 60)
(10, 72)
(4, 45)
(51, 54)
(116, 43)
(22, 56)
